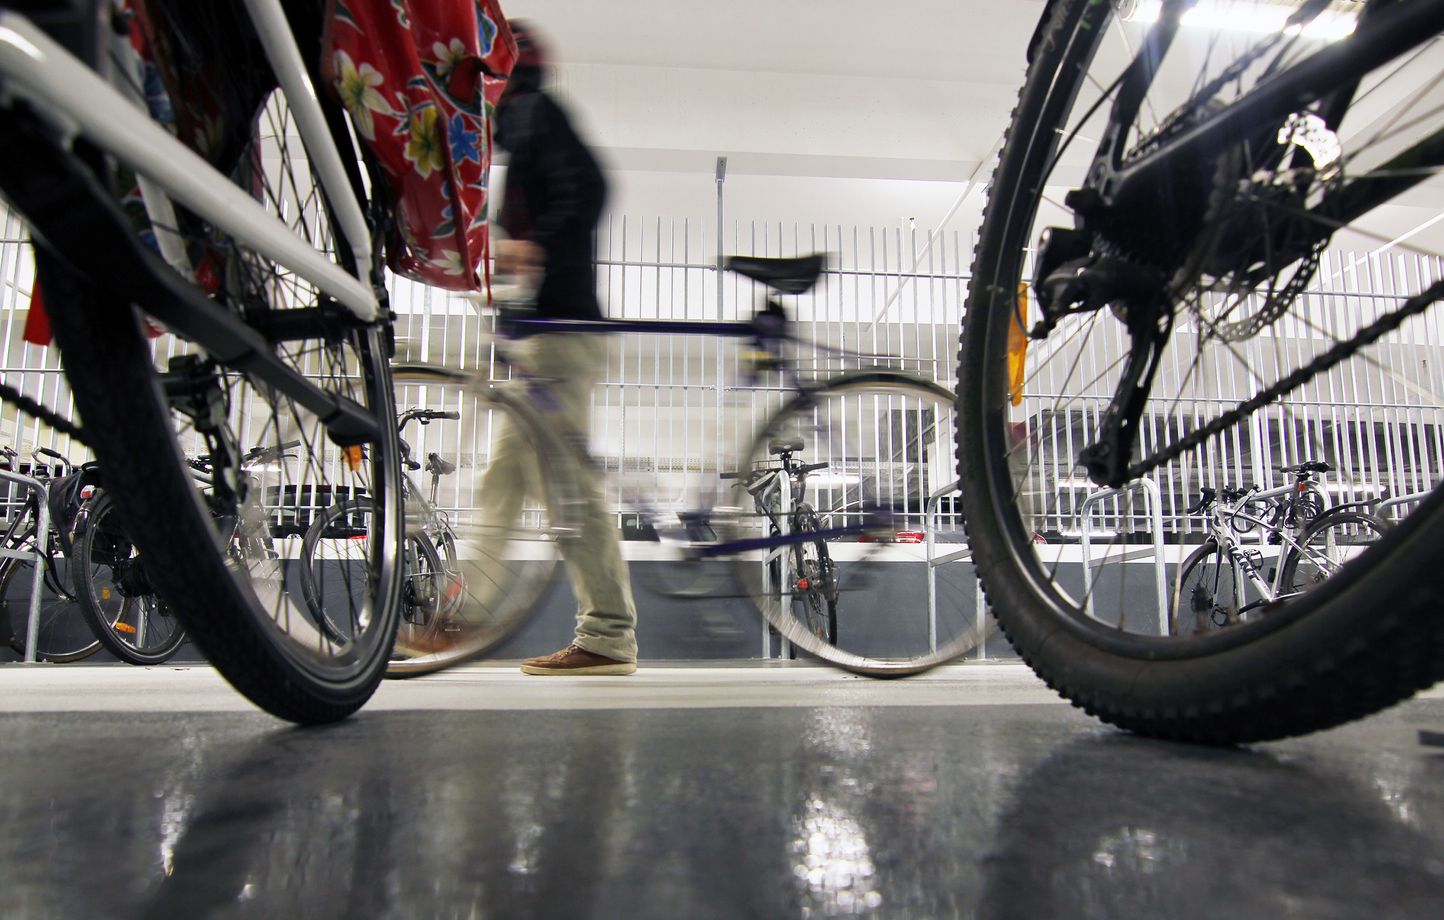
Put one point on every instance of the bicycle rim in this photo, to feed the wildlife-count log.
(223, 553)
(61, 635)
(133, 622)
(887, 441)
(490, 575)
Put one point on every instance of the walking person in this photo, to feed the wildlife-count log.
(550, 207)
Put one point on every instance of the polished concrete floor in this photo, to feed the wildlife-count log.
(682, 792)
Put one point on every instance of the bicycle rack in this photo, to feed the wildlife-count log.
(783, 489)
(42, 539)
(1401, 500)
(930, 514)
(1150, 489)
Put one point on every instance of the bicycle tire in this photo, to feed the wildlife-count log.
(818, 597)
(886, 437)
(1326, 544)
(120, 617)
(1200, 603)
(230, 585)
(1332, 655)
(502, 576)
(62, 635)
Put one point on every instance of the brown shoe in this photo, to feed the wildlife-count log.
(574, 660)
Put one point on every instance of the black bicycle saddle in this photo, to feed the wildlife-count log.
(788, 276)
(785, 445)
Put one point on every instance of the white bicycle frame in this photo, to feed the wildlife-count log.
(78, 101)
(1220, 525)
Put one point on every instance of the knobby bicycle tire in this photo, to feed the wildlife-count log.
(1364, 639)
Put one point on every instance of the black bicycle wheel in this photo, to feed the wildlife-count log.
(814, 580)
(62, 633)
(1210, 594)
(861, 600)
(488, 578)
(1331, 540)
(126, 614)
(217, 551)
(1206, 262)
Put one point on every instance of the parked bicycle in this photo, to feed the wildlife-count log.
(1156, 302)
(1226, 582)
(882, 436)
(431, 592)
(263, 266)
(61, 632)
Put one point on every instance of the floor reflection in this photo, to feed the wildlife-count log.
(933, 811)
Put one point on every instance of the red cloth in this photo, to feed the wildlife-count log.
(37, 321)
(420, 80)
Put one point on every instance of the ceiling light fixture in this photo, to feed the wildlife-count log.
(1333, 23)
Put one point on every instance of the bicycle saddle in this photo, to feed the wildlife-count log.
(434, 464)
(789, 276)
(785, 446)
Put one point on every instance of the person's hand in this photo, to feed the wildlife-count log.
(518, 257)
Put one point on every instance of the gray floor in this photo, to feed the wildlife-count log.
(692, 792)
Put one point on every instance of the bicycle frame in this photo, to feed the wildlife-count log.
(530, 325)
(77, 102)
(1388, 34)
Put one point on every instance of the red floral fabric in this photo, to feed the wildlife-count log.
(420, 79)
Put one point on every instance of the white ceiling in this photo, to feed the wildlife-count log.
(973, 41)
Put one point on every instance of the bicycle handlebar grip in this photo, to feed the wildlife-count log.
(51, 453)
(451, 415)
(1205, 498)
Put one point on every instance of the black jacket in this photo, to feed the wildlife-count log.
(553, 197)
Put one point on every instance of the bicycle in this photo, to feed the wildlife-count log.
(432, 587)
(882, 433)
(264, 269)
(61, 632)
(131, 620)
(1213, 585)
(1205, 178)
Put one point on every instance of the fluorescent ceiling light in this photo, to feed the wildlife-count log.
(1333, 23)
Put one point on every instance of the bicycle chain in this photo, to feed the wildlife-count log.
(35, 410)
(1335, 355)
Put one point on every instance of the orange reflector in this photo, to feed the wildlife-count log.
(354, 455)
(122, 627)
(105, 594)
(1018, 347)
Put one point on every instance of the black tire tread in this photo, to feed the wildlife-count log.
(1358, 656)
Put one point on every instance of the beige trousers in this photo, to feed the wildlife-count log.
(571, 364)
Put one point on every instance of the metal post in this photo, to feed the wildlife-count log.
(1155, 498)
(42, 539)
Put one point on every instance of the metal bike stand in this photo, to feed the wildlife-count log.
(782, 554)
(1150, 489)
(930, 514)
(1401, 500)
(42, 539)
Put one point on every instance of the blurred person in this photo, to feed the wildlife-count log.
(550, 206)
